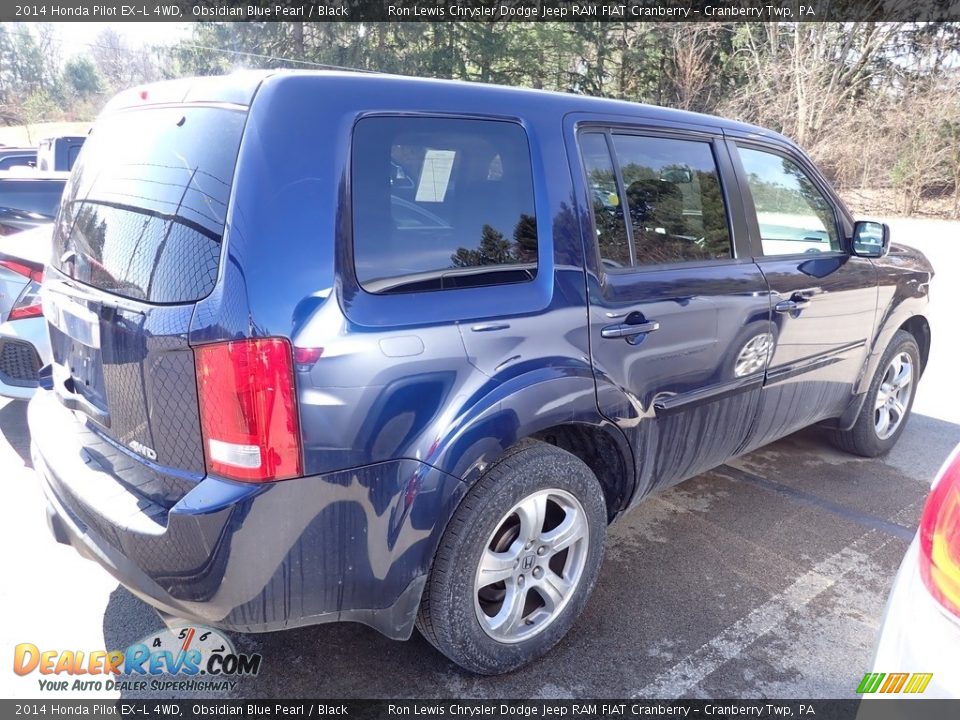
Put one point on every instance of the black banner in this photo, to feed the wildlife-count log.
(871, 709)
(480, 10)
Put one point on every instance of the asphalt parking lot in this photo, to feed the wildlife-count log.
(765, 577)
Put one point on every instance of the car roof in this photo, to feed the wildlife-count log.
(240, 88)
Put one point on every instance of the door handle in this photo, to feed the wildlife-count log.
(796, 302)
(626, 330)
(788, 306)
(490, 327)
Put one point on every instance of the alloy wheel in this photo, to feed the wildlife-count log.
(531, 565)
(893, 395)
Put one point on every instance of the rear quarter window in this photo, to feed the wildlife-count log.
(441, 203)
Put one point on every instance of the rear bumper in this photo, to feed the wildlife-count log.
(348, 546)
(917, 635)
(24, 348)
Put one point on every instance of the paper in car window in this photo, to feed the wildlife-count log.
(435, 176)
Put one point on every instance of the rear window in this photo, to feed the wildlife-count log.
(33, 196)
(441, 203)
(144, 214)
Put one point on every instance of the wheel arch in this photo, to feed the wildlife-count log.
(916, 325)
(919, 327)
(598, 448)
(554, 406)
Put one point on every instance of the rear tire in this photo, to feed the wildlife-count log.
(889, 400)
(517, 562)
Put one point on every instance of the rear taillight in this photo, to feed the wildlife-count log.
(248, 409)
(28, 305)
(940, 537)
(22, 269)
(305, 358)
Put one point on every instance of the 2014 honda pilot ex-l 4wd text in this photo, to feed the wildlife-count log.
(334, 346)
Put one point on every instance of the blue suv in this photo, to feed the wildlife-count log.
(346, 347)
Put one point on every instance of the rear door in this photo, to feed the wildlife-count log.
(137, 243)
(823, 299)
(679, 318)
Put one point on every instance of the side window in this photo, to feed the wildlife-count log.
(794, 216)
(441, 203)
(674, 199)
(608, 215)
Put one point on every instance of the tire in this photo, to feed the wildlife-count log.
(867, 437)
(495, 521)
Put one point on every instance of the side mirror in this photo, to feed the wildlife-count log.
(870, 239)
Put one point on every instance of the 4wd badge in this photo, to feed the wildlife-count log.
(148, 452)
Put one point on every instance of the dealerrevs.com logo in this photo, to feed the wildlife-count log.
(171, 660)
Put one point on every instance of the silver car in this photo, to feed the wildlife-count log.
(24, 341)
(921, 627)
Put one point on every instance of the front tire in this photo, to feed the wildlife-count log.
(889, 400)
(517, 562)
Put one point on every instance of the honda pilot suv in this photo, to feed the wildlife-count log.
(347, 347)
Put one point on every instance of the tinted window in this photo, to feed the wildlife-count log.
(441, 203)
(72, 153)
(794, 216)
(144, 213)
(11, 161)
(674, 199)
(608, 215)
(33, 196)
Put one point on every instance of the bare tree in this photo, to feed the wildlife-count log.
(122, 65)
(693, 44)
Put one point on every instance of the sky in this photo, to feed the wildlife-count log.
(76, 36)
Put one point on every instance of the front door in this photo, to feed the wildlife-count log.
(823, 299)
(679, 316)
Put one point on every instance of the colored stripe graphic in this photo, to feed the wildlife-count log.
(894, 683)
(870, 682)
(918, 682)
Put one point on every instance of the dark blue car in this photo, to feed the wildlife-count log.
(343, 347)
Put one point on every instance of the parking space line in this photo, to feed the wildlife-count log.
(861, 518)
(682, 677)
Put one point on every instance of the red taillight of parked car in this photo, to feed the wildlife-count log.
(21, 269)
(940, 537)
(248, 409)
(28, 304)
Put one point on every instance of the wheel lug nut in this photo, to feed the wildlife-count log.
(529, 545)
(541, 550)
(538, 572)
(520, 581)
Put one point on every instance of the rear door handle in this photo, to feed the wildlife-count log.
(626, 330)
